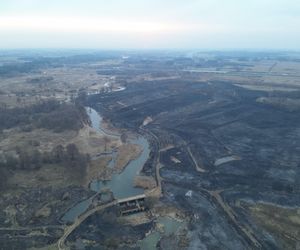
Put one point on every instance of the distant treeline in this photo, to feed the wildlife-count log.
(33, 64)
(25, 159)
(51, 115)
(9, 70)
(40, 80)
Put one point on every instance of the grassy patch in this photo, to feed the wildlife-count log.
(49, 175)
(282, 223)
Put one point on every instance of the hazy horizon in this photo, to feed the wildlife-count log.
(133, 24)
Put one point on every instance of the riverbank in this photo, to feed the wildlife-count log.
(126, 161)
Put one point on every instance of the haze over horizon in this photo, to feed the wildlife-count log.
(140, 24)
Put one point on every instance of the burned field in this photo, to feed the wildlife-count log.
(104, 231)
(228, 154)
(223, 131)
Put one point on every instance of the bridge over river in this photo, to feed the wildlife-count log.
(128, 205)
(129, 198)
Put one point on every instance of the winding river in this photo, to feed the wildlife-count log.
(122, 184)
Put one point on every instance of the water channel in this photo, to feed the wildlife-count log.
(122, 184)
(168, 225)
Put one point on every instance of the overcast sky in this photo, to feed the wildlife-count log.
(143, 24)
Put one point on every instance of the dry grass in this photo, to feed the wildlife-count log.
(47, 176)
(87, 140)
(126, 153)
(161, 209)
(145, 182)
(46, 139)
(283, 223)
(65, 82)
(98, 170)
(91, 142)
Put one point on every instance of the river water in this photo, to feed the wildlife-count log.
(168, 225)
(122, 184)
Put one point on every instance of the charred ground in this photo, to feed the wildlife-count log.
(224, 134)
(207, 121)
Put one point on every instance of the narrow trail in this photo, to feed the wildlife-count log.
(157, 191)
(194, 160)
(79, 220)
(244, 228)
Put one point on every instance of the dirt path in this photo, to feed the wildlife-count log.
(246, 230)
(194, 160)
(157, 190)
(78, 221)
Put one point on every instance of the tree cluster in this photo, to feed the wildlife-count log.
(68, 156)
(50, 114)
